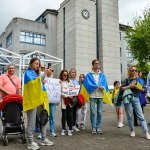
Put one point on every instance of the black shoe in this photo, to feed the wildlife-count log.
(136, 124)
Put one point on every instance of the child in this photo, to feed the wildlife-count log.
(119, 109)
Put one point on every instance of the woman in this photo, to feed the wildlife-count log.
(72, 77)
(81, 113)
(67, 110)
(33, 98)
(142, 97)
(132, 84)
(119, 109)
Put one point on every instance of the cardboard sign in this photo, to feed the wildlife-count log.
(53, 89)
(70, 89)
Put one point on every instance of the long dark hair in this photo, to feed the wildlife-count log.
(61, 75)
(32, 61)
(80, 79)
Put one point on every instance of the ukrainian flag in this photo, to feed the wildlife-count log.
(89, 85)
(140, 83)
(34, 93)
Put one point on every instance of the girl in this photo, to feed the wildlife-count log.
(67, 110)
(119, 109)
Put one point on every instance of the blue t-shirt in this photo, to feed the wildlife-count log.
(74, 81)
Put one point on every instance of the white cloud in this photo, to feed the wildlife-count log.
(128, 9)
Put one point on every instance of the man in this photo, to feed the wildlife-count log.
(9, 82)
(95, 83)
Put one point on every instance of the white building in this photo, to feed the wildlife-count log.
(70, 33)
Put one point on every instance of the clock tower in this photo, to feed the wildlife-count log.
(77, 36)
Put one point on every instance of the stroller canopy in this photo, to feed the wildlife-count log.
(10, 98)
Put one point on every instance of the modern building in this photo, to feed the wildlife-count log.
(78, 32)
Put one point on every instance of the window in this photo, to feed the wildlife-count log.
(120, 52)
(121, 67)
(9, 40)
(120, 35)
(129, 54)
(44, 20)
(32, 38)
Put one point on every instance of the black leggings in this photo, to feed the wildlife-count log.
(67, 115)
(74, 115)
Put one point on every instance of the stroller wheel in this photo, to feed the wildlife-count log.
(5, 141)
(23, 137)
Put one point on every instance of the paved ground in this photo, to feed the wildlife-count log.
(112, 139)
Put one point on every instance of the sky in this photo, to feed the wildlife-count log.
(31, 9)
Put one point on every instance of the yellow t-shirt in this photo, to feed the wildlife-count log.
(114, 93)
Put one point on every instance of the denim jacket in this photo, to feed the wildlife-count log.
(127, 96)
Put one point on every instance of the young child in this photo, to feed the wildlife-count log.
(119, 109)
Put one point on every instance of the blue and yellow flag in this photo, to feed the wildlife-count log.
(140, 83)
(34, 93)
(89, 85)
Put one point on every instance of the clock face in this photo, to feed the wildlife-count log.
(85, 14)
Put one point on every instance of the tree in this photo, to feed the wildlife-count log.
(138, 38)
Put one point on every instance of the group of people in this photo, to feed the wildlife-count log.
(132, 96)
(35, 100)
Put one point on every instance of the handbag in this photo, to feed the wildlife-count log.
(74, 101)
(43, 117)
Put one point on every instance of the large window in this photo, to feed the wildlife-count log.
(9, 40)
(32, 38)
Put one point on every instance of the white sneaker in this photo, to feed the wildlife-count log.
(120, 125)
(75, 129)
(82, 126)
(33, 146)
(70, 133)
(40, 136)
(147, 136)
(63, 132)
(47, 142)
(99, 131)
(132, 134)
(94, 131)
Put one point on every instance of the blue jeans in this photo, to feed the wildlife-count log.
(93, 103)
(135, 104)
(52, 118)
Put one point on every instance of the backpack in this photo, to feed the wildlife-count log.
(43, 117)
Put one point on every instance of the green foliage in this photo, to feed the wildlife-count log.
(138, 38)
(144, 68)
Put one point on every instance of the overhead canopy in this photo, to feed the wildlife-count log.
(8, 57)
(22, 62)
(45, 59)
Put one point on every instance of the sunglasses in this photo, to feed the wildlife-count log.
(134, 70)
(65, 75)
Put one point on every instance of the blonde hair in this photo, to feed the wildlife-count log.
(130, 71)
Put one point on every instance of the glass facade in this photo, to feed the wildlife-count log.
(9, 40)
(32, 38)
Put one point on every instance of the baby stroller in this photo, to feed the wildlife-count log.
(12, 117)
